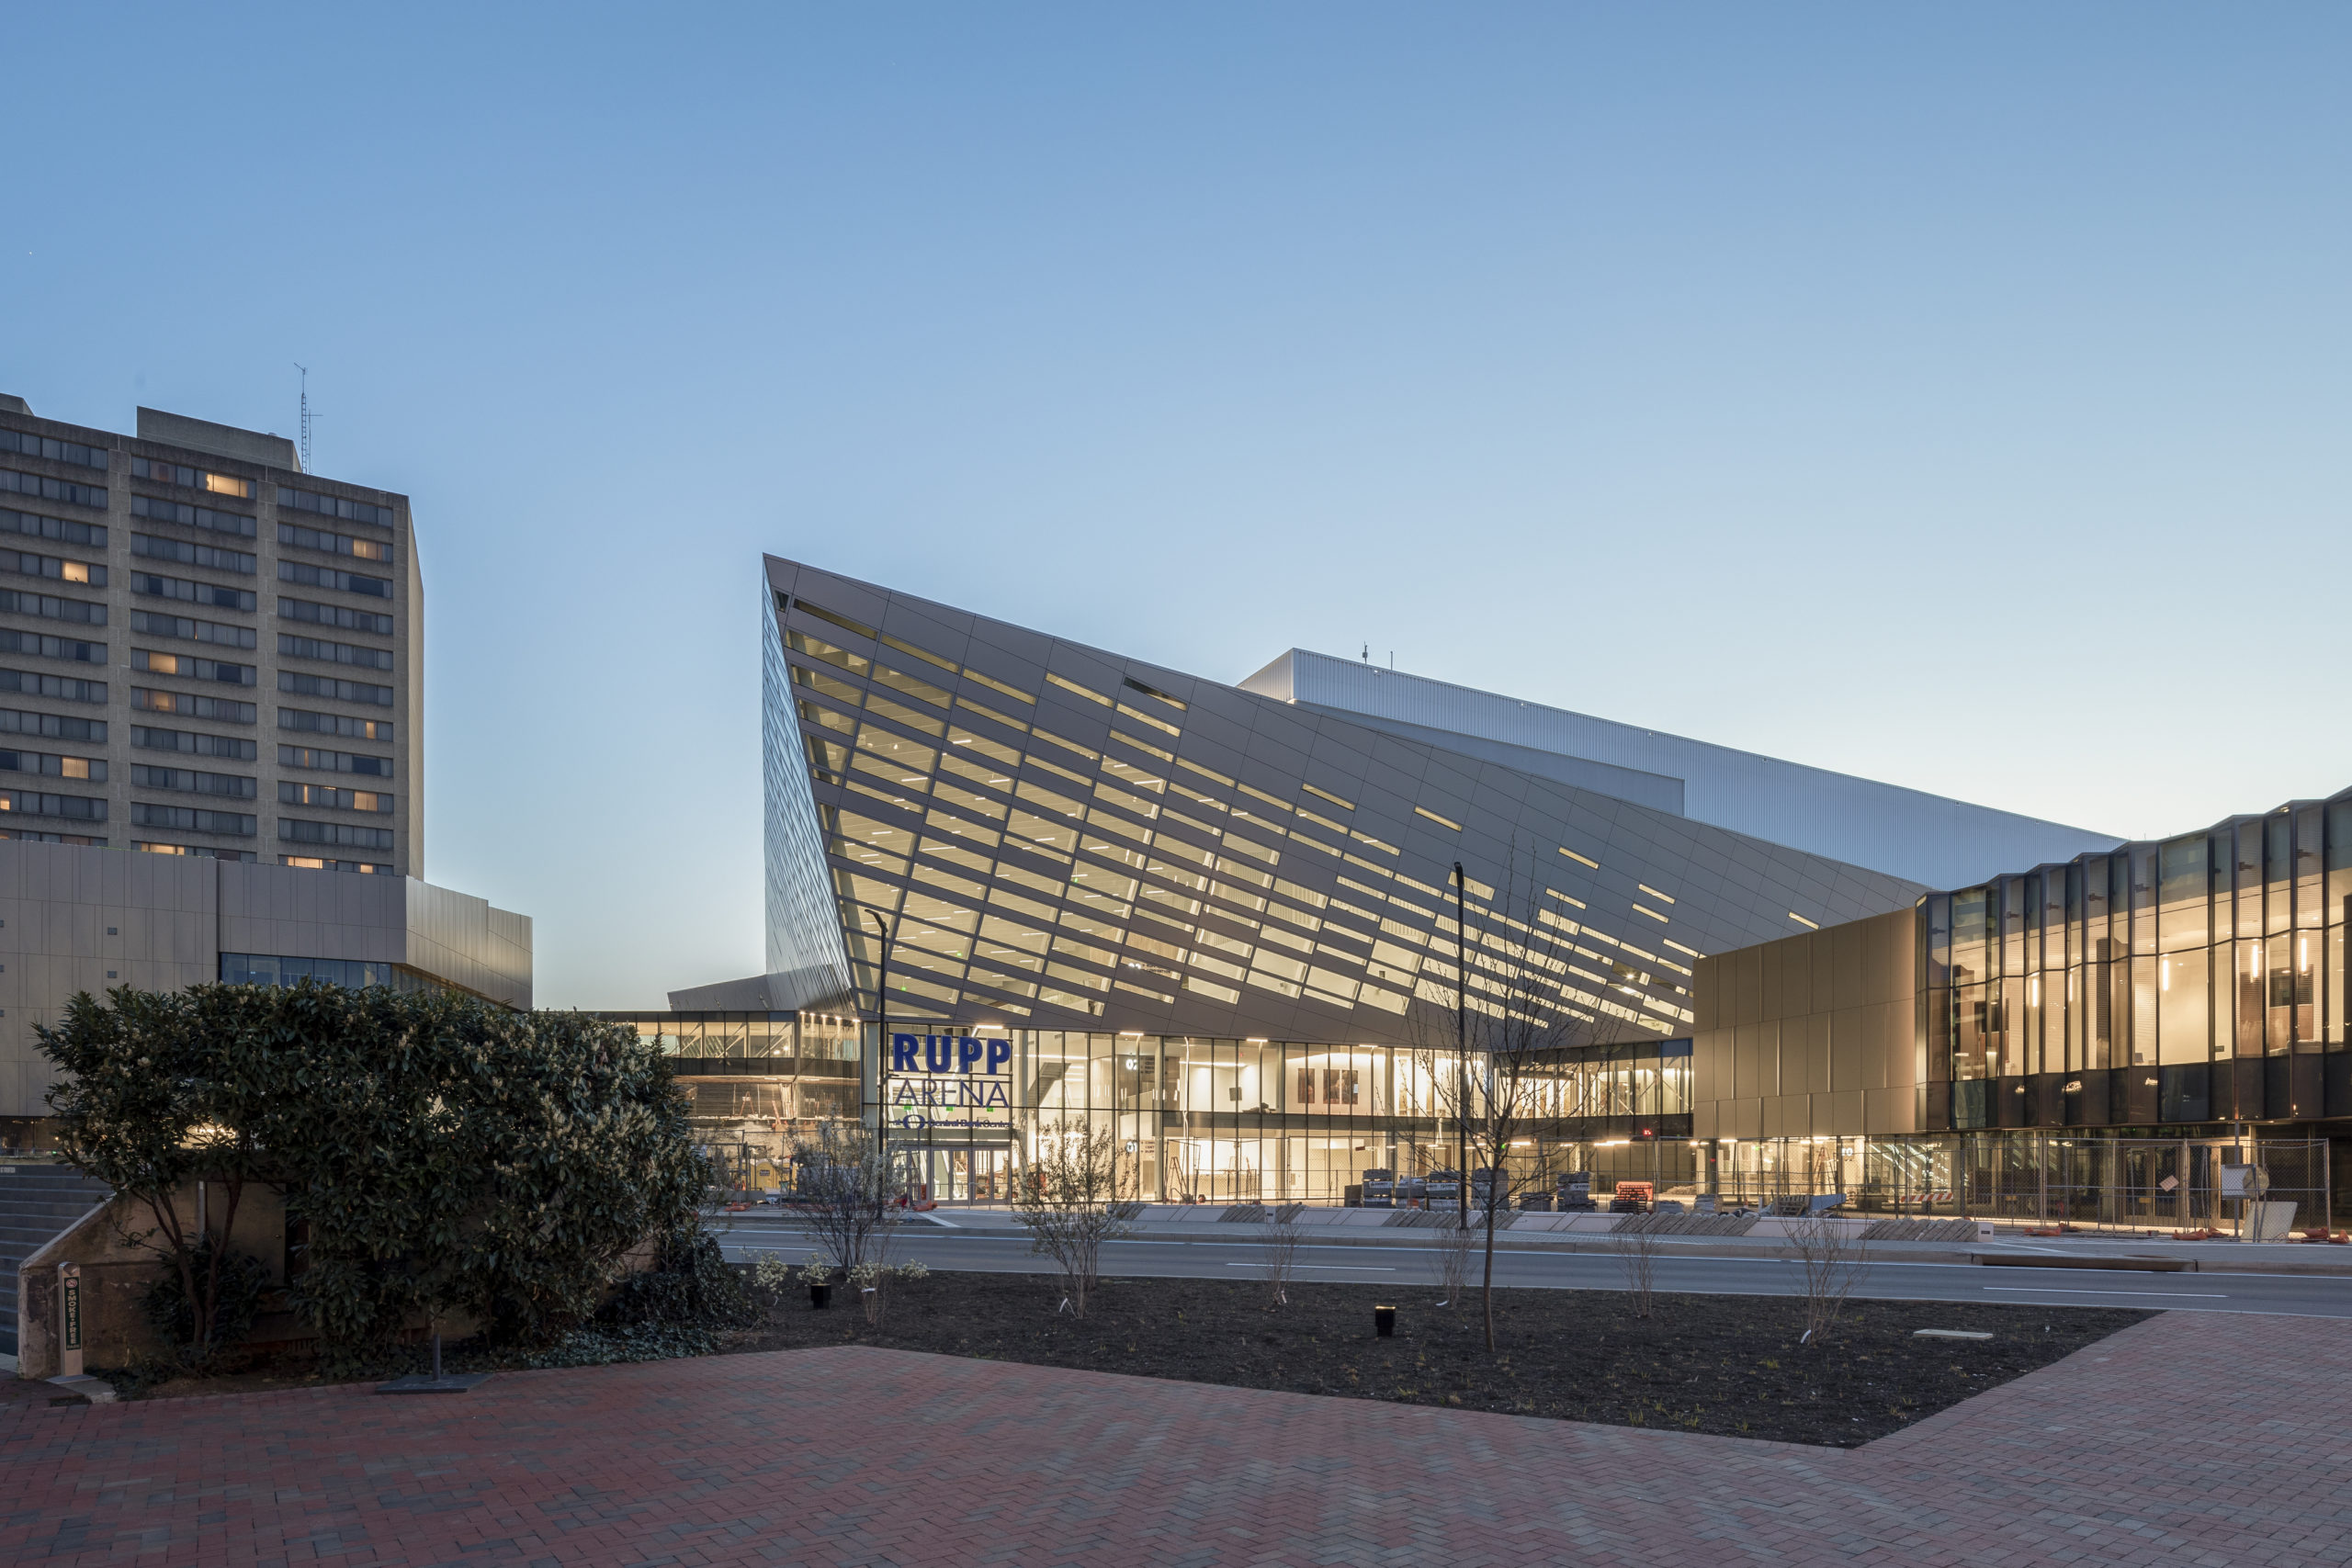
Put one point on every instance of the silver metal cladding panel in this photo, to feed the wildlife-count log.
(466, 940)
(1066, 838)
(1909, 833)
(1656, 790)
(77, 919)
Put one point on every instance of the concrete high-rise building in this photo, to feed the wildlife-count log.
(205, 651)
(211, 690)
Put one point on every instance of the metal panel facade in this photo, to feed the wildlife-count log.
(74, 918)
(1060, 837)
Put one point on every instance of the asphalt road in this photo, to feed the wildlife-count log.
(2291, 1295)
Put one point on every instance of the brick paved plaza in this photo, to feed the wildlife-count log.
(2204, 1440)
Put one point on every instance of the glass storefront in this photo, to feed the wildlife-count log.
(2109, 1180)
(1194, 1118)
(1231, 1121)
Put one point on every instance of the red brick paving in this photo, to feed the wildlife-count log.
(2192, 1438)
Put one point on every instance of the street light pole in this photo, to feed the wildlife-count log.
(882, 1062)
(1461, 1038)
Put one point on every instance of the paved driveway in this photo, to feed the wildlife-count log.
(2187, 1439)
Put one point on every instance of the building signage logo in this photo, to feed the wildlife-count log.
(71, 1282)
(950, 1083)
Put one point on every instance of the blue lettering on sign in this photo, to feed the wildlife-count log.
(947, 1053)
(936, 1084)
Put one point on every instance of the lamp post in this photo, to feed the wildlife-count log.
(1461, 1038)
(882, 1062)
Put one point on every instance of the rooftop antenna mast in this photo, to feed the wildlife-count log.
(306, 416)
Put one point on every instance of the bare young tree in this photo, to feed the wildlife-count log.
(1635, 1243)
(1067, 1199)
(1278, 1242)
(844, 1189)
(1513, 1012)
(1830, 1254)
(1450, 1259)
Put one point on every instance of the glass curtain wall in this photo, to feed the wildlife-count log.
(2194, 979)
(1193, 1120)
(1203, 1120)
(755, 1081)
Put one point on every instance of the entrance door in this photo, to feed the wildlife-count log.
(991, 1176)
(975, 1175)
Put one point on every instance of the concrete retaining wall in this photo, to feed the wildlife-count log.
(117, 1274)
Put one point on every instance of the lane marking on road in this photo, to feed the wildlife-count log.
(1333, 1268)
(2063, 1290)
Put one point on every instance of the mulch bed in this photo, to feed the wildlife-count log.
(1730, 1365)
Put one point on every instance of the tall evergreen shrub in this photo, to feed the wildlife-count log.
(440, 1153)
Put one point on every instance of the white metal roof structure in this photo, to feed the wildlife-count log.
(1922, 838)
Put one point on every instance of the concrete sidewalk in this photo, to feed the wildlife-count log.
(2176, 1442)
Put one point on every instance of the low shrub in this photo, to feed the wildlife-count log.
(691, 1283)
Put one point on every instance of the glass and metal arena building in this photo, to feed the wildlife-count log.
(1221, 918)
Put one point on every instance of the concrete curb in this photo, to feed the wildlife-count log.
(2205, 1257)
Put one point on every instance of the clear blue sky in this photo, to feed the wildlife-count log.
(1956, 396)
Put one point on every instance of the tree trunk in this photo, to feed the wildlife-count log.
(167, 1222)
(1487, 1289)
(211, 1305)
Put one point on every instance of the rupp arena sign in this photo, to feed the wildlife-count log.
(952, 1083)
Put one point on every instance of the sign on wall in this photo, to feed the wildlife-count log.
(950, 1083)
